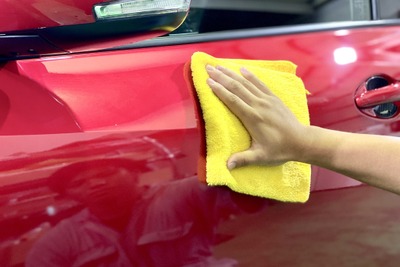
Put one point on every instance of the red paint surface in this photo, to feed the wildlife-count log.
(28, 14)
(135, 104)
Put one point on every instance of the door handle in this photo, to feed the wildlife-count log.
(379, 97)
(389, 93)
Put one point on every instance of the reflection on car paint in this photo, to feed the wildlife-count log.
(111, 200)
(29, 14)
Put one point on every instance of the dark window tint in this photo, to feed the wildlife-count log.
(220, 15)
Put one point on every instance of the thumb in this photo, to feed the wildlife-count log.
(242, 159)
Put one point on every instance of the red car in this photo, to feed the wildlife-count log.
(100, 137)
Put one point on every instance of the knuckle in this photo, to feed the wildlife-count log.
(247, 84)
(234, 85)
(240, 161)
(233, 98)
(264, 105)
(267, 103)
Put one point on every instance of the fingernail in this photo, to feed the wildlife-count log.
(209, 67)
(219, 67)
(231, 165)
(244, 70)
(210, 81)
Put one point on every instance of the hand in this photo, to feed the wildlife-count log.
(277, 135)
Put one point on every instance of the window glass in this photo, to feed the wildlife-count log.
(389, 9)
(219, 15)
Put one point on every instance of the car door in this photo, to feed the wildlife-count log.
(101, 100)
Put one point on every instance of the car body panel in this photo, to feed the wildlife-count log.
(27, 14)
(137, 104)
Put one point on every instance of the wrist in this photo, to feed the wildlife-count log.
(319, 146)
(308, 147)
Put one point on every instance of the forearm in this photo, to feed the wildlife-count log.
(371, 159)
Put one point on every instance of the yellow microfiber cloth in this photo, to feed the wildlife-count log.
(225, 134)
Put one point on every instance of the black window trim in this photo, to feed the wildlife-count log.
(181, 39)
(375, 15)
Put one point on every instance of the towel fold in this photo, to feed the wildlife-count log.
(225, 134)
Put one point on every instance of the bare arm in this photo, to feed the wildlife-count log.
(277, 136)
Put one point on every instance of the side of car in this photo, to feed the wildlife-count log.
(133, 102)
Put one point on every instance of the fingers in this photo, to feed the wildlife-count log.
(250, 100)
(234, 82)
(240, 108)
(242, 159)
(255, 81)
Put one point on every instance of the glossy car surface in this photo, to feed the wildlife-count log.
(134, 104)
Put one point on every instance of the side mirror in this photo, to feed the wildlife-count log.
(31, 28)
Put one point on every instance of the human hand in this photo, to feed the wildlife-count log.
(277, 135)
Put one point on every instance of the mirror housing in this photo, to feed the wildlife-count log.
(30, 28)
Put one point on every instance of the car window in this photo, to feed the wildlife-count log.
(220, 15)
(389, 9)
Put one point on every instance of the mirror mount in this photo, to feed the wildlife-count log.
(103, 33)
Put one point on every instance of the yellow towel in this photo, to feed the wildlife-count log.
(226, 135)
